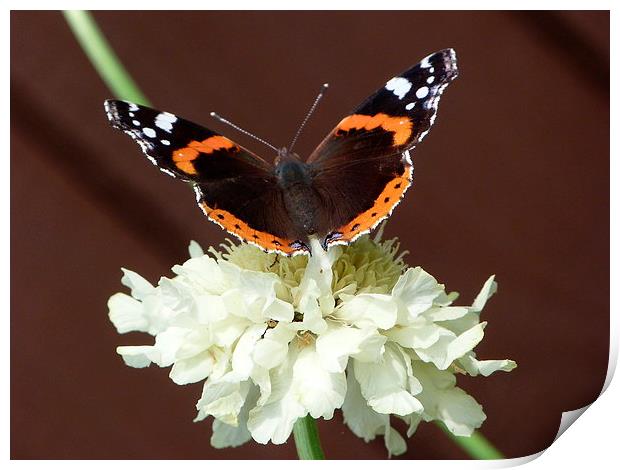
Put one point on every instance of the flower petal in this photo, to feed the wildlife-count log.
(474, 367)
(416, 290)
(272, 349)
(385, 385)
(460, 413)
(223, 399)
(450, 347)
(209, 308)
(394, 442)
(368, 310)
(140, 287)
(242, 363)
(488, 289)
(420, 334)
(226, 435)
(126, 313)
(138, 356)
(205, 274)
(443, 401)
(362, 420)
(339, 342)
(307, 299)
(445, 313)
(195, 250)
(319, 390)
(193, 369)
(274, 420)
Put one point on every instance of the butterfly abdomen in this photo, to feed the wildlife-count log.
(300, 198)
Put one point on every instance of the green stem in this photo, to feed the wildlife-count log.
(307, 439)
(477, 446)
(103, 58)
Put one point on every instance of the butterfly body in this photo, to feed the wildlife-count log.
(300, 198)
(347, 186)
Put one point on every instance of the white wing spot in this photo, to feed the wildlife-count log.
(399, 86)
(430, 79)
(133, 107)
(165, 142)
(425, 62)
(422, 92)
(409, 106)
(149, 132)
(131, 114)
(165, 120)
(135, 122)
(432, 70)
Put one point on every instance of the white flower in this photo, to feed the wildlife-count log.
(275, 339)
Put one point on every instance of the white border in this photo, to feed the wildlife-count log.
(592, 442)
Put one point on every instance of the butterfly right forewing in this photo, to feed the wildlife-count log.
(363, 167)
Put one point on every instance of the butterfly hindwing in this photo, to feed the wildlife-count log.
(235, 188)
(372, 146)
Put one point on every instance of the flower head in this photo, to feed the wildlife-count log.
(276, 338)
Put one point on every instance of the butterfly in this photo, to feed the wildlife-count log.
(350, 183)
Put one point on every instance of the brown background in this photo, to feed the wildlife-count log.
(512, 180)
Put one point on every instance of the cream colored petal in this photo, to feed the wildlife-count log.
(225, 435)
(420, 334)
(339, 342)
(474, 367)
(445, 313)
(242, 362)
(205, 274)
(274, 420)
(362, 420)
(448, 348)
(192, 370)
(416, 290)
(126, 313)
(488, 289)
(140, 287)
(138, 356)
(223, 399)
(385, 385)
(272, 349)
(368, 310)
(195, 250)
(460, 413)
(394, 442)
(319, 390)
(209, 308)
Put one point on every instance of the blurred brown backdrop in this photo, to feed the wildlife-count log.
(512, 180)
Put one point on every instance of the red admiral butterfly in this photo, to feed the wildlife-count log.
(350, 183)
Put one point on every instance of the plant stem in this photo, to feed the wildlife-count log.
(477, 446)
(103, 58)
(307, 439)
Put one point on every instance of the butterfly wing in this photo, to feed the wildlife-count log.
(235, 188)
(363, 167)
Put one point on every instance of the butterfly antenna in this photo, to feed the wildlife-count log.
(226, 121)
(312, 108)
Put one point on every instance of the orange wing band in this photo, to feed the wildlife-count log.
(238, 227)
(400, 126)
(382, 207)
(184, 157)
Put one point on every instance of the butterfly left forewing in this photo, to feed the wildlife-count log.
(363, 167)
(234, 188)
